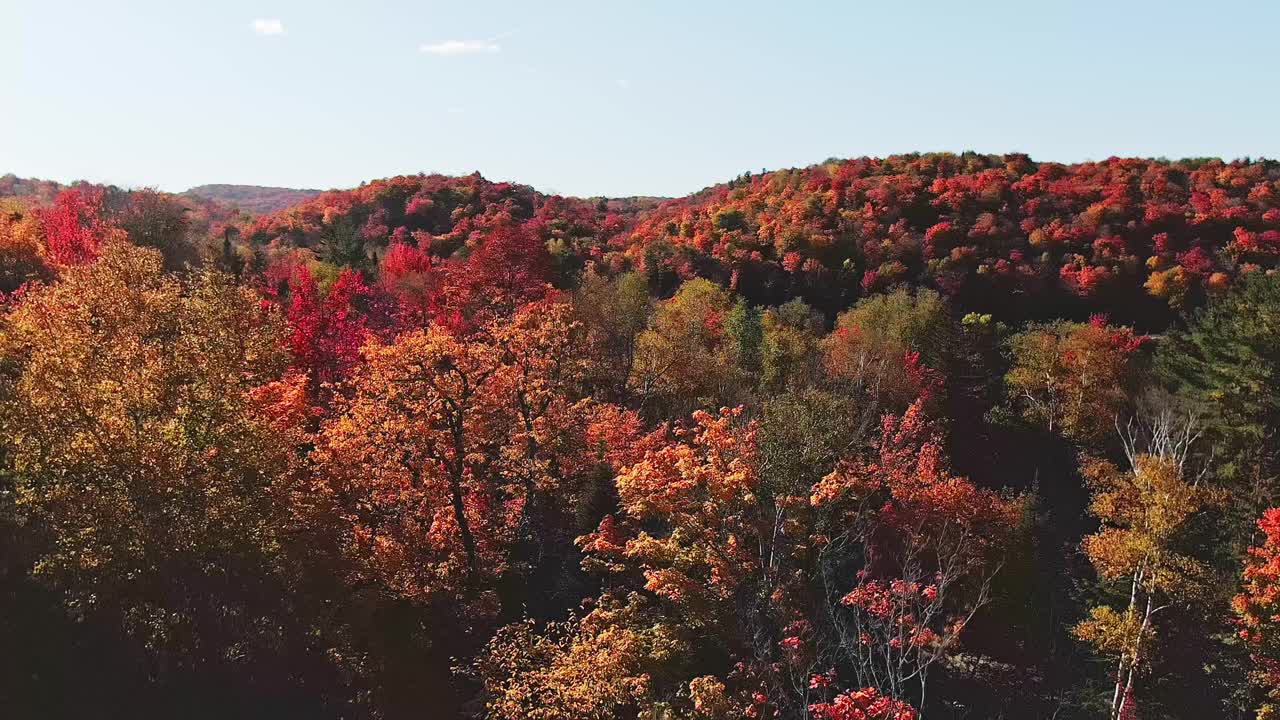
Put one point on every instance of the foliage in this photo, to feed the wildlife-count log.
(1256, 611)
(1226, 365)
(446, 445)
(140, 455)
(1074, 378)
(1144, 515)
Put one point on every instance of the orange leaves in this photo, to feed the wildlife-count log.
(699, 532)
(404, 460)
(716, 464)
(447, 445)
(21, 247)
(699, 489)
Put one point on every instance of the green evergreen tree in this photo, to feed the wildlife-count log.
(1228, 365)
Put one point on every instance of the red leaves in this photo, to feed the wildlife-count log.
(75, 227)
(327, 330)
(508, 269)
(864, 704)
(1008, 224)
(1257, 606)
(408, 274)
(1083, 279)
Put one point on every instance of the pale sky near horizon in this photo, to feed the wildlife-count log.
(612, 98)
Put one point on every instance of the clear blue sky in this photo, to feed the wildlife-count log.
(616, 98)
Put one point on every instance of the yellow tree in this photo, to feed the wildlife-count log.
(1074, 378)
(682, 359)
(142, 459)
(891, 347)
(597, 667)
(1144, 512)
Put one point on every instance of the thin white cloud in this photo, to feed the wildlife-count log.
(450, 48)
(268, 26)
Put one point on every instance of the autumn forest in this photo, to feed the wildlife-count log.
(956, 437)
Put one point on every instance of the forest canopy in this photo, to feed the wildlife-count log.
(944, 436)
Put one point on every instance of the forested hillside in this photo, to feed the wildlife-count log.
(941, 436)
(252, 198)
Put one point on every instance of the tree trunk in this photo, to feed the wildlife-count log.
(464, 528)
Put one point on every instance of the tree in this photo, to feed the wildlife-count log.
(789, 576)
(405, 462)
(597, 667)
(1075, 379)
(141, 459)
(745, 336)
(682, 359)
(327, 330)
(1257, 610)
(441, 458)
(1144, 513)
(156, 220)
(929, 544)
(409, 275)
(613, 313)
(509, 267)
(76, 226)
(790, 346)
(1228, 364)
(890, 347)
(21, 241)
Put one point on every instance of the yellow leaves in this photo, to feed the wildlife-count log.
(707, 693)
(21, 247)
(1171, 284)
(1115, 553)
(131, 419)
(1142, 512)
(1073, 377)
(590, 669)
(1109, 631)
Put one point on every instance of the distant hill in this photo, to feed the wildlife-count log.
(253, 198)
(1143, 240)
(43, 190)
